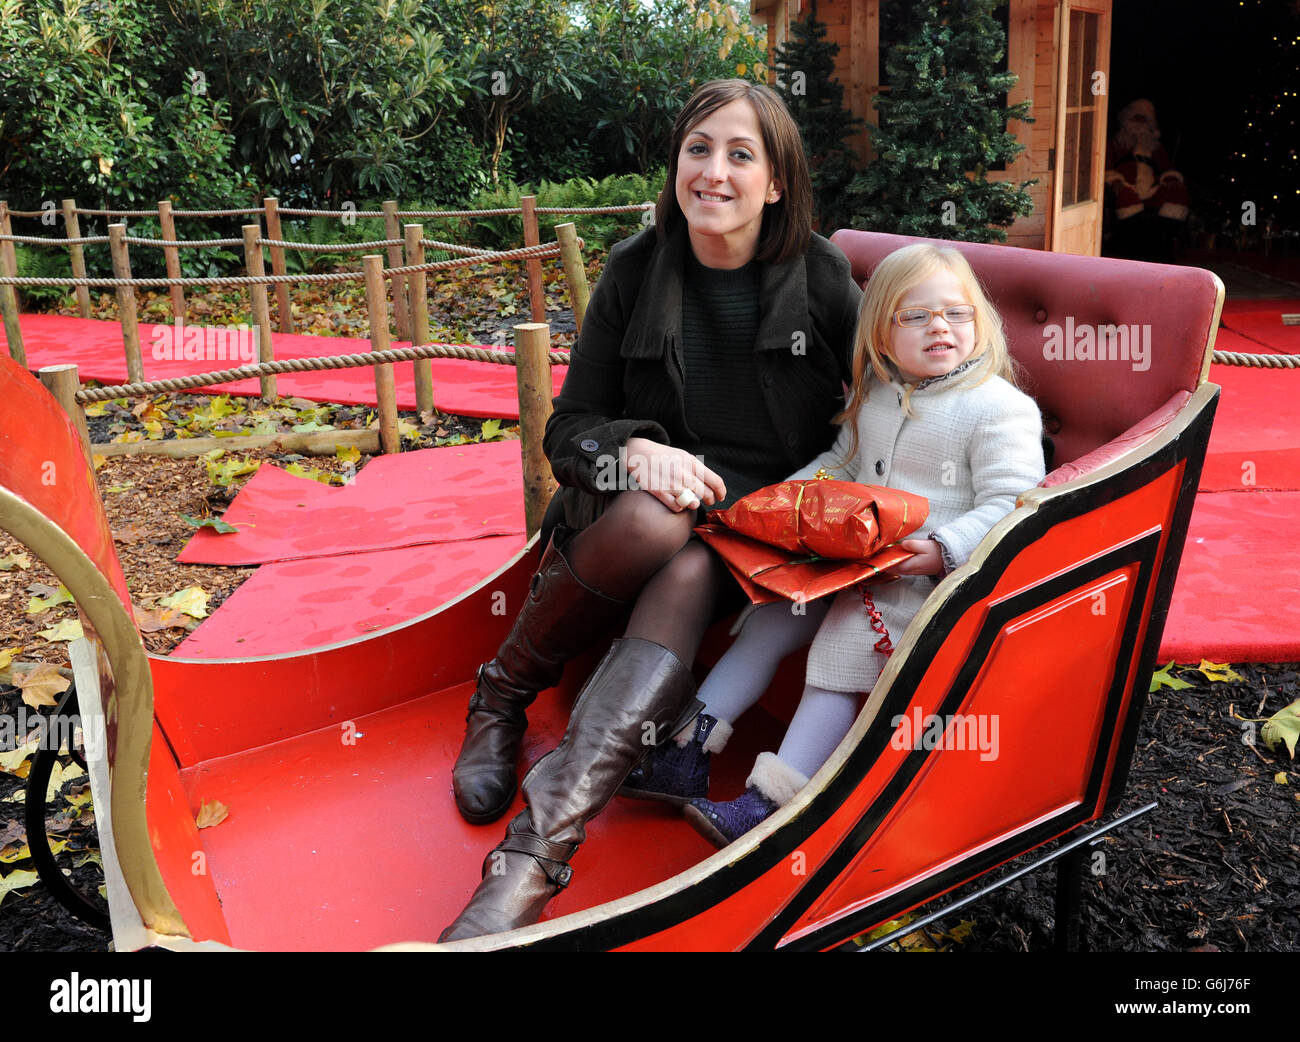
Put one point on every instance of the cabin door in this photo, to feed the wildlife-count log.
(1081, 90)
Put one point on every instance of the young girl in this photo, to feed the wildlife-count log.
(935, 411)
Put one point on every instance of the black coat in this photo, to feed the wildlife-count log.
(625, 378)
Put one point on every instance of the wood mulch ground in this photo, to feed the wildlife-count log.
(1215, 867)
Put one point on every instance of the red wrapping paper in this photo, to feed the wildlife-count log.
(801, 540)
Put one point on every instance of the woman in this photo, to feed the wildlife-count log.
(713, 356)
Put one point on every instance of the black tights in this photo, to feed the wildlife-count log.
(639, 550)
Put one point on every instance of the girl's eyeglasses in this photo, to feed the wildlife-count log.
(957, 314)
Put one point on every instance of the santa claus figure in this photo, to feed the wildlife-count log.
(1150, 199)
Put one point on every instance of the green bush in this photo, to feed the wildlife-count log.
(43, 262)
(598, 231)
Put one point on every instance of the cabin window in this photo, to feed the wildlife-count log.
(1081, 108)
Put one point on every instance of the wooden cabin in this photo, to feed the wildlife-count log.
(1060, 49)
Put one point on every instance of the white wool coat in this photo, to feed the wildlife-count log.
(970, 448)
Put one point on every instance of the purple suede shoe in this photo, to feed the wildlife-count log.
(674, 773)
(724, 823)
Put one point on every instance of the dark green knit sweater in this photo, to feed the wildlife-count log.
(725, 405)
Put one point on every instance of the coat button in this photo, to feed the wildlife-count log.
(880, 467)
(588, 445)
(767, 379)
(792, 439)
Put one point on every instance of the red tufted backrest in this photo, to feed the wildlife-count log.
(1050, 302)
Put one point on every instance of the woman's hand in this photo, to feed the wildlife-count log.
(928, 559)
(674, 477)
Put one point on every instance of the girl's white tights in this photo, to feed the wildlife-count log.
(738, 681)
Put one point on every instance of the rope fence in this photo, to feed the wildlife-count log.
(1257, 361)
(397, 241)
(523, 253)
(182, 243)
(308, 365)
(45, 240)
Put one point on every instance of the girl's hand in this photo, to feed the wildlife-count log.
(674, 477)
(928, 559)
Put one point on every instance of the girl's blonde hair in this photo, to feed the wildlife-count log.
(894, 276)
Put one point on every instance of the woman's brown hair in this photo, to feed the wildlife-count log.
(787, 223)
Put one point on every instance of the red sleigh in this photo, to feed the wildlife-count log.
(333, 844)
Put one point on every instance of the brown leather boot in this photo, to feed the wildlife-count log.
(635, 696)
(561, 618)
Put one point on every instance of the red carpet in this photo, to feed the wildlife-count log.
(1237, 598)
(95, 347)
(1256, 437)
(1260, 321)
(413, 498)
(293, 605)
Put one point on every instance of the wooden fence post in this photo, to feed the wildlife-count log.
(172, 258)
(393, 230)
(385, 389)
(261, 306)
(127, 314)
(536, 297)
(575, 272)
(533, 378)
(73, 229)
(9, 294)
(62, 382)
(277, 263)
(419, 301)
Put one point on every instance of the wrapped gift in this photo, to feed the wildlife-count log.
(801, 540)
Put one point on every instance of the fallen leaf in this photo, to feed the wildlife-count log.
(223, 473)
(15, 761)
(155, 620)
(7, 656)
(1281, 778)
(67, 630)
(1283, 726)
(39, 604)
(8, 564)
(193, 601)
(21, 851)
(120, 488)
(130, 533)
(1215, 671)
(1162, 678)
(61, 773)
(215, 523)
(491, 430)
(213, 812)
(348, 453)
(40, 683)
(310, 473)
(91, 857)
(16, 880)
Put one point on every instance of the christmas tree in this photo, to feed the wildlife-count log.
(806, 77)
(942, 126)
